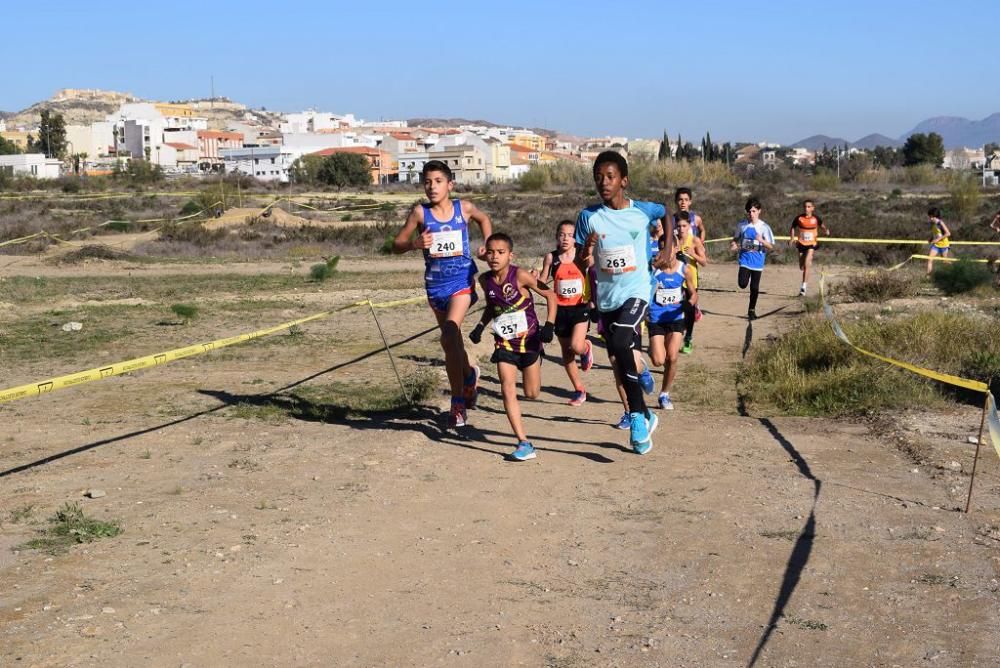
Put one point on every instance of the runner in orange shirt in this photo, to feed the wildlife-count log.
(804, 235)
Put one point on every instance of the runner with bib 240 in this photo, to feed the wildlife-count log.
(441, 230)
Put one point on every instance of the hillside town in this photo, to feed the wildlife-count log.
(192, 138)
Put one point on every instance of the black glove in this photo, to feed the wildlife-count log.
(548, 331)
(595, 315)
(476, 335)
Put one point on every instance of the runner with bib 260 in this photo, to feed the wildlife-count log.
(573, 318)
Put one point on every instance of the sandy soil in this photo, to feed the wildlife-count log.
(384, 540)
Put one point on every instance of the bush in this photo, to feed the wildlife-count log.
(984, 366)
(964, 191)
(320, 272)
(324, 270)
(809, 372)
(184, 311)
(535, 179)
(70, 184)
(190, 207)
(957, 277)
(824, 179)
(68, 527)
(878, 286)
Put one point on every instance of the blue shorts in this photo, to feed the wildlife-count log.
(439, 296)
(935, 250)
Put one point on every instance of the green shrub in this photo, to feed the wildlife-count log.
(388, 244)
(808, 371)
(535, 179)
(184, 311)
(68, 527)
(964, 191)
(324, 270)
(957, 277)
(320, 272)
(984, 366)
(70, 185)
(877, 286)
(190, 207)
(824, 179)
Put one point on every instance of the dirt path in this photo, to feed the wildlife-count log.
(383, 541)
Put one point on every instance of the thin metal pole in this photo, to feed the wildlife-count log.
(406, 395)
(982, 423)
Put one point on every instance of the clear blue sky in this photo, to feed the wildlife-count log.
(777, 71)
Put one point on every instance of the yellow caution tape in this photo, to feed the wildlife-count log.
(937, 258)
(974, 385)
(991, 410)
(21, 240)
(848, 240)
(156, 359)
(44, 233)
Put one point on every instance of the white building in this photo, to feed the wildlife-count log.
(466, 162)
(496, 154)
(31, 164)
(267, 163)
(964, 158)
(140, 131)
(96, 140)
(316, 121)
(391, 125)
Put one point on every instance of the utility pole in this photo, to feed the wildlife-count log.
(212, 101)
(838, 162)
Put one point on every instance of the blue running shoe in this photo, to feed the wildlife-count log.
(665, 402)
(524, 452)
(646, 379)
(651, 424)
(639, 437)
(624, 422)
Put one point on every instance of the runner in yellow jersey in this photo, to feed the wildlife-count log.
(940, 237)
(691, 251)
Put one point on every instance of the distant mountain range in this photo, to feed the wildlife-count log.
(956, 132)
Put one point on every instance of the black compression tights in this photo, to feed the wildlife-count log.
(620, 344)
(751, 277)
(688, 321)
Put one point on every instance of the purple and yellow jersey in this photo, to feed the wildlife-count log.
(515, 325)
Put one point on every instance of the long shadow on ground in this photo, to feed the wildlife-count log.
(802, 549)
(140, 432)
(419, 418)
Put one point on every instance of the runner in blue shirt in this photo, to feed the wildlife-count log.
(752, 239)
(440, 230)
(615, 236)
